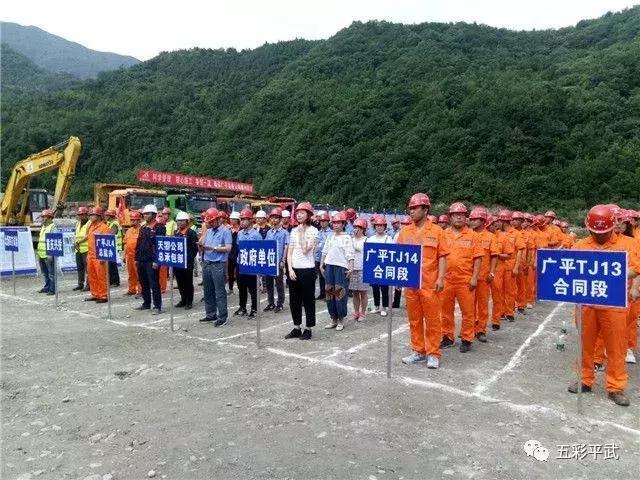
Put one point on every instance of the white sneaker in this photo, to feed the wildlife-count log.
(383, 313)
(433, 362)
(414, 358)
(630, 358)
(529, 306)
(374, 310)
(340, 326)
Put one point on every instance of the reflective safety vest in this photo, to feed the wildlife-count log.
(114, 223)
(42, 248)
(171, 228)
(81, 233)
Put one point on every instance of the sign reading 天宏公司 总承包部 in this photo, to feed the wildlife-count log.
(171, 251)
(106, 249)
(396, 265)
(258, 257)
(586, 277)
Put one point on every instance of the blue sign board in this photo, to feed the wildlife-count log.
(53, 244)
(171, 251)
(585, 277)
(396, 265)
(258, 257)
(106, 249)
(11, 241)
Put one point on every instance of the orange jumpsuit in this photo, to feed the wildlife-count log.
(510, 280)
(130, 241)
(498, 284)
(522, 280)
(556, 236)
(489, 246)
(423, 304)
(96, 269)
(609, 322)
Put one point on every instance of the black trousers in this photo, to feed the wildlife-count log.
(114, 275)
(81, 264)
(232, 270)
(184, 278)
(150, 283)
(377, 290)
(277, 284)
(397, 293)
(302, 292)
(320, 280)
(247, 285)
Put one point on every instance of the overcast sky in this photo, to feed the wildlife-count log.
(145, 28)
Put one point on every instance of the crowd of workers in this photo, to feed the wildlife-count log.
(485, 262)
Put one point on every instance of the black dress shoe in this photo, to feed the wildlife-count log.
(510, 318)
(180, 304)
(188, 306)
(306, 335)
(78, 288)
(446, 342)
(240, 312)
(278, 309)
(90, 299)
(101, 300)
(269, 307)
(51, 293)
(465, 346)
(43, 290)
(252, 313)
(143, 307)
(495, 326)
(295, 333)
(207, 319)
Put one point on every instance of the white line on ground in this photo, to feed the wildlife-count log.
(516, 358)
(360, 346)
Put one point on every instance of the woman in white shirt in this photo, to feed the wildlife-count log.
(380, 236)
(358, 288)
(302, 272)
(336, 265)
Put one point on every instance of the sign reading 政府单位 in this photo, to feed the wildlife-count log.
(181, 180)
(396, 265)
(171, 251)
(586, 277)
(258, 257)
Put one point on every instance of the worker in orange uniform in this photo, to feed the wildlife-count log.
(636, 226)
(443, 221)
(461, 280)
(529, 224)
(489, 244)
(513, 264)
(610, 322)
(517, 222)
(432, 218)
(505, 250)
(163, 271)
(96, 269)
(555, 234)
(423, 304)
(129, 254)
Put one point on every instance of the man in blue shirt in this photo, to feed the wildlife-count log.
(281, 236)
(247, 283)
(216, 246)
(323, 233)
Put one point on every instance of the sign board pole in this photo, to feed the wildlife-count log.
(258, 311)
(55, 277)
(579, 325)
(389, 329)
(171, 294)
(108, 290)
(13, 271)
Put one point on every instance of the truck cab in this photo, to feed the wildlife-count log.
(192, 203)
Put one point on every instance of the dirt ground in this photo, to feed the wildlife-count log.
(85, 397)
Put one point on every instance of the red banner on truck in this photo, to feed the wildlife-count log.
(190, 181)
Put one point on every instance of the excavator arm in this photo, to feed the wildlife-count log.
(63, 156)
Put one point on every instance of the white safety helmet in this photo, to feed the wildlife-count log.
(235, 216)
(183, 216)
(150, 209)
(320, 212)
(261, 214)
(286, 214)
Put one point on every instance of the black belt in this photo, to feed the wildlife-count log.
(208, 262)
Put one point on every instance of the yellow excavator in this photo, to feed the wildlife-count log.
(21, 205)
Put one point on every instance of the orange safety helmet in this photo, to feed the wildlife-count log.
(550, 213)
(517, 215)
(306, 206)
(478, 213)
(246, 214)
(504, 215)
(458, 207)
(339, 217)
(82, 211)
(600, 219)
(135, 215)
(110, 213)
(361, 223)
(406, 221)
(96, 211)
(378, 220)
(324, 217)
(419, 200)
(276, 212)
(443, 219)
(431, 218)
(47, 212)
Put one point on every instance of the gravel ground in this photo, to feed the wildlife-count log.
(85, 397)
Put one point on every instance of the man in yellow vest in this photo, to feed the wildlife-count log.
(81, 247)
(46, 262)
(171, 224)
(116, 229)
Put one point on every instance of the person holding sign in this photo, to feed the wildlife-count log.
(461, 279)
(281, 236)
(184, 276)
(336, 265)
(96, 269)
(302, 272)
(46, 262)
(610, 322)
(81, 246)
(380, 236)
(146, 260)
(247, 283)
(129, 256)
(424, 304)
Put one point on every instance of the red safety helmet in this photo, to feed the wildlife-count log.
(379, 220)
(550, 213)
(406, 221)
(564, 225)
(624, 216)
(161, 219)
(339, 217)
(443, 219)
(395, 221)
(83, 211)
(517, 215)
(47, 212)
(431, 218)
(324, 217)
(361, 222)
(539, 220)
(110, 213)
(306, 206)
(490, 219)
(96, 211)
(504, 215)
(135, 215)
(458, 207)
(210, 214)
(246, 214)
(419, 200)
(635, 213)
(529, 217)
(276, 212)
(351, 214)
(478, 213)
(166, 211)
(600, 219)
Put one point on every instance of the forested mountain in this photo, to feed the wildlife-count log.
(370, 115)
(55, 54)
